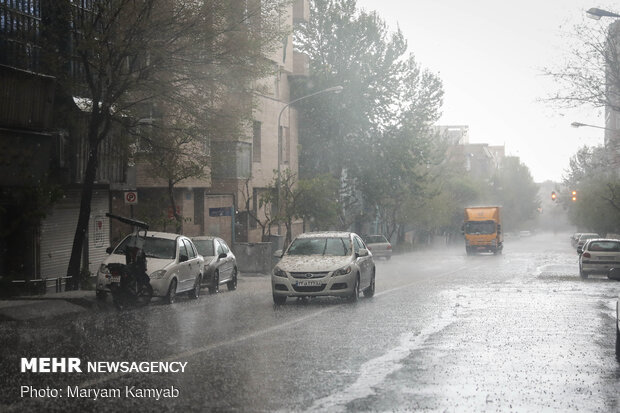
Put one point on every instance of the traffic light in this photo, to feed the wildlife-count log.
(573, 196)
(554, 196)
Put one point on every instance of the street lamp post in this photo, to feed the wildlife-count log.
(334, 89)
(596, 14)
(579, 124)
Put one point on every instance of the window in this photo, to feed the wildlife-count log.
(182, 249)
(604, 246)
(256, 141)
(358, 244)
(190, 250)
(224, 246)
(376, 239)
(320, 246)
(231, 159)
(480, 227)
(205, 248)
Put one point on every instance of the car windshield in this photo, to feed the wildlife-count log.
(205, 247)
(153, 247)
(320, 246)
(604, 246)
(480, 227)
(375, 239)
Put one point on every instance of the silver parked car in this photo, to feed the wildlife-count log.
(220, 263)
(324, 264)
(599, 256)
(172, 264)
(379, 246)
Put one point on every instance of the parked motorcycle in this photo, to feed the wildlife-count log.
(130, 283)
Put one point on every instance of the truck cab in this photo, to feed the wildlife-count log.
(482, 229)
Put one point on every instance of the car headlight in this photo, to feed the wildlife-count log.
(342, 271)
(158, 274)
(278, 272)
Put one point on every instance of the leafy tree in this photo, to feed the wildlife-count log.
(593, 176)
(352, 49)
(380, 122)
(130, 57)
(515, 190)
(310, 199)
(174, 152)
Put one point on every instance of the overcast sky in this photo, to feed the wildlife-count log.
(490, 55)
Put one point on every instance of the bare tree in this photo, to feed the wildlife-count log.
(591, 72)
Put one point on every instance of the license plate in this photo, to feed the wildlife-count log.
(308, 283)
(112, 279)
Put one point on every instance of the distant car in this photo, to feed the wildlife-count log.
(599, 256)
(172, 263)
(525, 234)
(584, 237)
(220, 265)
(324, 264)
(574, 238)
(379, 246)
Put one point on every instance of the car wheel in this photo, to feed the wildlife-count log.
(195, 292)
(355, 294)
(172, 292)
(232, 284)
(279, 299)
(370, 291)
(101, 295)
(214, 288)
(582, 273)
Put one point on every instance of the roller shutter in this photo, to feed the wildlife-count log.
(58, 230)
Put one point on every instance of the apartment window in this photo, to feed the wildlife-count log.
(256, 141)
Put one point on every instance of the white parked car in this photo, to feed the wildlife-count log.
(598, 256)
(324, 264)
(379, 246)
(172, 263)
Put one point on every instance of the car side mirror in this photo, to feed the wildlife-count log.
(221, 256)
(579, 250)
(183, 258)
(109, 250)
(363, 252)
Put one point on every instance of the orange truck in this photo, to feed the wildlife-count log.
(483, 230)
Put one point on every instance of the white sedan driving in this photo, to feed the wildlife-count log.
(324, 264)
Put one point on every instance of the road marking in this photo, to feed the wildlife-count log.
(249, 336)
(374, 371)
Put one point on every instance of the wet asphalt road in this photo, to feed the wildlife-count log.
(444, 332)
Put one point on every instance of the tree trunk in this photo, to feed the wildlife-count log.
(73, 270)
(178, 219)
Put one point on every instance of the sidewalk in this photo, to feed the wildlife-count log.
(50, 305)
(46, 305)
